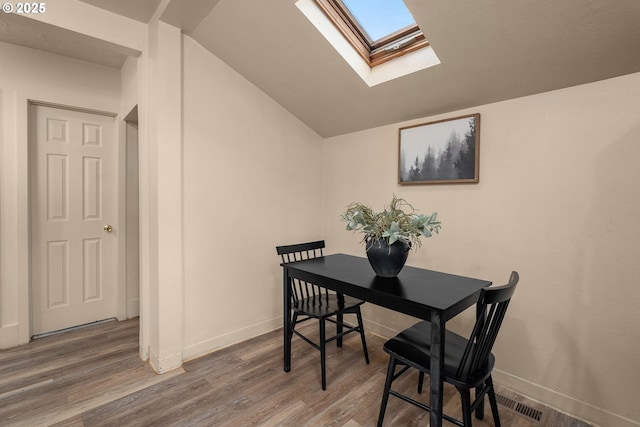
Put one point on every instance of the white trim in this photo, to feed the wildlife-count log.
(379, 329)
(165, 364)
(120, 286)
(121, 200)
(407, 64)
(24, 220)
(554, 399)
(9, 336)
(230, 338)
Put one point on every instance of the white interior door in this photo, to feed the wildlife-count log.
(73, 190)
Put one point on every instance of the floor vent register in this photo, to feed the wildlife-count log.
(521, 409)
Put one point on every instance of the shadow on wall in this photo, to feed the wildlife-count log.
(602, 341)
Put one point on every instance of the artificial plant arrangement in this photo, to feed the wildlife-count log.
(398, 222)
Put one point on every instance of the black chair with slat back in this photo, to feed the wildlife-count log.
(468, 362)
(310, 301)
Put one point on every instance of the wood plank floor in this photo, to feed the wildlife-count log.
(93, 377)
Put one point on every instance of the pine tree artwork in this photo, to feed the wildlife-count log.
(440, 152)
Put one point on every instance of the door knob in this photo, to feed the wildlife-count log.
(108, 228)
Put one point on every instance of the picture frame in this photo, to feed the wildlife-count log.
(441, 152)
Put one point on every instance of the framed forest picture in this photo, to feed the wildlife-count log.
(441, 152)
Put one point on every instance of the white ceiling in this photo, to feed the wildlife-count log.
(20, 30)
(491, 50)
(140, 10)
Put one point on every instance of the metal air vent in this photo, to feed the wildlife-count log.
(521, 409)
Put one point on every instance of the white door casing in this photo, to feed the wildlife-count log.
(73, 190)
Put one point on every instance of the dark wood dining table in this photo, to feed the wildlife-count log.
(421, 293)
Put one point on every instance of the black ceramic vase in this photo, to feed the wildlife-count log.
(387, 261)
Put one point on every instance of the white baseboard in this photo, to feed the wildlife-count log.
(9, 336)
(379, 329)
(230, 338)
(166, 363)
(216, 343)
(563, 403)
(133, 308)
(557, 401)
(144, 352)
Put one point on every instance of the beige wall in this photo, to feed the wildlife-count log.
(252, 180)
(28, 74)
(558, 200)
(214, 139)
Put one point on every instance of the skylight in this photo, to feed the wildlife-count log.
(381, 18)
(379, 39)
(379, 30)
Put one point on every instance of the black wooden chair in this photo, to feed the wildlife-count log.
(310, 301)
(467, 363)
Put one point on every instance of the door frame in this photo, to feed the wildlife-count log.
(24, 205)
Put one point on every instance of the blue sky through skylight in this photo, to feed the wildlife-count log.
(379, 18)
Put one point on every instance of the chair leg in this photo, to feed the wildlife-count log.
(387, 386)
(493, 402)
(323, 366)
(339, 328)
(480, 408)
(465, 395)
(294, 319)
(364, 341)
(420, 382)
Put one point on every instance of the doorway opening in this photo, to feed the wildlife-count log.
(132, 214)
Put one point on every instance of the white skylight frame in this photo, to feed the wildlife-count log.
(408, 63)
(374, 52)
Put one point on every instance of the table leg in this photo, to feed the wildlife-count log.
(340, 319)
(286, 319)
(437, 369)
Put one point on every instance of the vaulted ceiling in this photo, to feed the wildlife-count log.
(490, 50)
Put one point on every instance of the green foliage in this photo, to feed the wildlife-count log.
(392, 224)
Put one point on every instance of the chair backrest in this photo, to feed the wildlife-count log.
(299, 252)
(493, 303)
